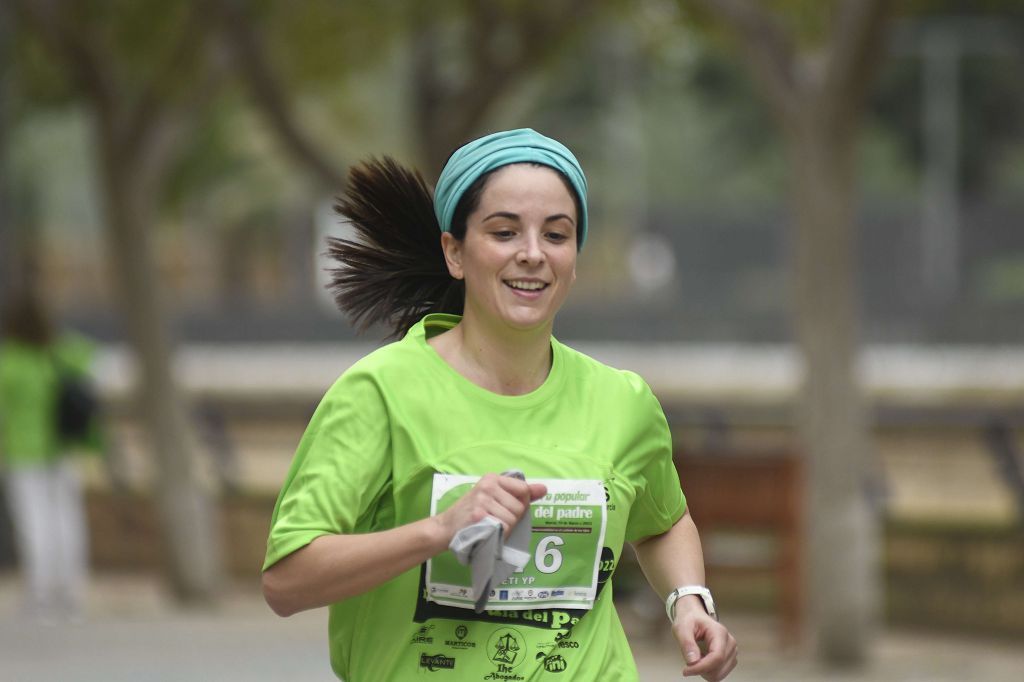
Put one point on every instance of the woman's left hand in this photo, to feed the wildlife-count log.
(708, 647)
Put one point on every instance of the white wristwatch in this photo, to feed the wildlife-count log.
(699, 590)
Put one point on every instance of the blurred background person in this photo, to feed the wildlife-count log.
(43, 487)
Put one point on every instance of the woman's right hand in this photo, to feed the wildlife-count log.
(505, 498)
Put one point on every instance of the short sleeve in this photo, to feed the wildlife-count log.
(339, 471)
(660, 501)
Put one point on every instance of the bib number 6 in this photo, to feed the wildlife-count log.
(548, 558)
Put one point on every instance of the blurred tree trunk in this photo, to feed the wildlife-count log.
(834, 424)
(9, 265)
(190, 521)
(817, 98)
(501, 46)
(135, 137)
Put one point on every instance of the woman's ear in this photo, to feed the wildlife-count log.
(452, 248)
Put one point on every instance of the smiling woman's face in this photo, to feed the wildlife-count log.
(518, 258)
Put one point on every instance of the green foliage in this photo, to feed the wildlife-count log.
(990, 109)
(209, 157)
(724, 86)
(689, 112)
(927, 8)
(328, 40)
(808, 21)
(1002, 280)
(993, 117)
(37, 79)
(135, 39)
(991, 98)
(139, 37)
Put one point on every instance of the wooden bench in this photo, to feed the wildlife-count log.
(746, 492)
(127, 536)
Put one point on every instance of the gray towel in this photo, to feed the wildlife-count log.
(490, 557)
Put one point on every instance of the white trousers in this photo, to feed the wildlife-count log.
(50, 534)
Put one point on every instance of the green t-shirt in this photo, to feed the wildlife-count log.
(28, 393)
(368, 460)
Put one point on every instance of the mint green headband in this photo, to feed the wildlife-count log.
(493, 151)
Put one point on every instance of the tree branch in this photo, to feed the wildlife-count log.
(90, 73)
(448, 111)
(768, 50)
(142, 119)
(248, 57)
(174, 126)
(540, 31)
(855, 53)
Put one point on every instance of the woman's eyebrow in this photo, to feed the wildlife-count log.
(559, 216)
(508, 215)
(502, 214)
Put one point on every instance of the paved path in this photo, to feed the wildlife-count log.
(131, 633)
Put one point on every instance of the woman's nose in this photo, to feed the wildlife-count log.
(531, 252)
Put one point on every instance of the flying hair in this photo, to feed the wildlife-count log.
(394, 272)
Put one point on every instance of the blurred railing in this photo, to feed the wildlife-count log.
(971, 376)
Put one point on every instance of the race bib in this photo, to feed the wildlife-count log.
(568, 526)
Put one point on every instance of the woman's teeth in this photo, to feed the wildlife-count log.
(526, 286)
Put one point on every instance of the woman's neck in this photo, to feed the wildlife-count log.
(513, 363)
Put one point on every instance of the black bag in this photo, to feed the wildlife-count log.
(76, 406)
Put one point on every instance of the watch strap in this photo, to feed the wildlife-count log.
(680, 592)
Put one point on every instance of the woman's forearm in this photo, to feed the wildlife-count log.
(335, 567)
(673, 559)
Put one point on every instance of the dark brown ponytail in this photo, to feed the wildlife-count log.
(394, 272)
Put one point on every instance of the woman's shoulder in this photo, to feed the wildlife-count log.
(395, 361)
(620, 382)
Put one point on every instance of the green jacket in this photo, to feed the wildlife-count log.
(28, 392)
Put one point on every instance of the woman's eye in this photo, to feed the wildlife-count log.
(503, 234)
(557, 237)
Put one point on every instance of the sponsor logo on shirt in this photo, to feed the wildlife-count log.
(506, 647)
(460, 642)
(553, 662)
(423, 635)
(562, 641)
(436, 662)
